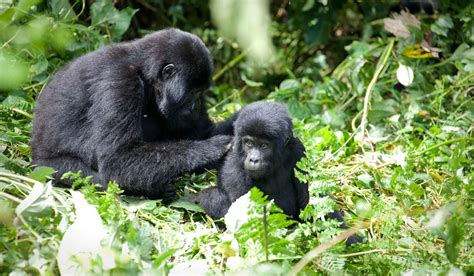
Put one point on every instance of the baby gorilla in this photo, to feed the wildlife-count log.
(264, 155)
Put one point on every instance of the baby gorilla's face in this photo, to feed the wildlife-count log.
(258, 154)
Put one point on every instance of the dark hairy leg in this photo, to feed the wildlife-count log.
(214, 201)
(67, 163)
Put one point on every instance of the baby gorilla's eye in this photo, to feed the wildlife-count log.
(264, 146)
(168, 70)
(248, 142)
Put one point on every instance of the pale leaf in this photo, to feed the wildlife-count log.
(82, 240)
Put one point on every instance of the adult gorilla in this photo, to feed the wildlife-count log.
(132, 113)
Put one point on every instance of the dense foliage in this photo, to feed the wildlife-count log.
(396, 160)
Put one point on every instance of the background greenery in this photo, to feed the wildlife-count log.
(402, 172)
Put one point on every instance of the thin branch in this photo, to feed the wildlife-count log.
(368, 94)
(444, 143)
(10, 197)
(229, 65)
(323, 247)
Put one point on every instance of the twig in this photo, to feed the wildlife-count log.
(444, 143)
(83, 7)
(11, 175)
(24, 113)
(10, 197)
(346, 104)
(353, 121)
(229, 65)
(324, 160)
(323, 247)
(281, 9)
(372, 251)
(380, 66)
(265, 231)
(236, 92)
(37, 236)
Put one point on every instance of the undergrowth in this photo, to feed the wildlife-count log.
(399, 166)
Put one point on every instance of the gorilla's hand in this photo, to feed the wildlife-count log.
(211, 152)
(218, 145)
(168, 192)
(354, 239)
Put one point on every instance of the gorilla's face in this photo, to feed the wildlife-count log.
(262, 131)
(180, 94)
(180, 69)
(258, 156)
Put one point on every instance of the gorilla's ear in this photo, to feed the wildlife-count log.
(290, 137)
(235, 143)
(288, 140)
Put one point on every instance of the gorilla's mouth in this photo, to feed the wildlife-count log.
(256, 172)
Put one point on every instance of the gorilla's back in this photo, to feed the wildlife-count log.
(62, 117)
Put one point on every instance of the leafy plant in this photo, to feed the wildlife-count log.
(407, 186)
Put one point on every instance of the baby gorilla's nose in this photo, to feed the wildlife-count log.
(254, 164)
(254, 161)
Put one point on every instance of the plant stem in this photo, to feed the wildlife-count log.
(265, 231)
(444, 143)
(372, 251)
(323, 247)
(229, 65)
(380, 66)
(236, 92)
(10, 197)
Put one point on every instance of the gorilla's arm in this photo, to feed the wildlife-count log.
(302, 193)
(121, 153)
(214, 201)
(232, 178)
(131, 164)
(338, 216)
(232, 185)
(297, 150)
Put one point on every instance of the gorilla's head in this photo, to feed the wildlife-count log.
(262, 132)
(177, 69)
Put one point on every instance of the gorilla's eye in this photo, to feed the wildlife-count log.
(248, 143)
(167, 71)
(264, 146)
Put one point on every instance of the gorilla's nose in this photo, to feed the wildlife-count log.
(254, 161)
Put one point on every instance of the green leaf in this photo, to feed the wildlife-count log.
(23, 7)
(298, 110)
(37, 202)
(308, 5)
(416, 190)
(454, 238)
(333, 118)
(187, 205)
(116, 22)
(365, 179)
(14, 71)
(62, 8)
(442, 25)
(459, 52)
(40, 66)
(122, 21)
(319, 32)
(289, 84)
(163, 257)
(41, 173)
(14, 101)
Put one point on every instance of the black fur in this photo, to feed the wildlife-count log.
(117, 114)
(269, 121)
